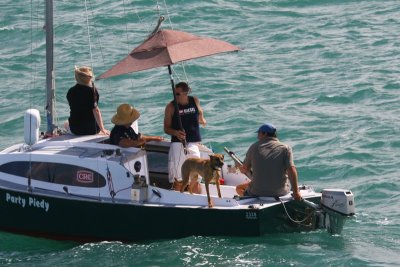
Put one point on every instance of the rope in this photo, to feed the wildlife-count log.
(293, 220)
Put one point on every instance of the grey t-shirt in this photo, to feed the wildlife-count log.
(269, 160)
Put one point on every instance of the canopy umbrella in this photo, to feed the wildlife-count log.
(165, 48)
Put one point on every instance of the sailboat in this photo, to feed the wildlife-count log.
(81, 188)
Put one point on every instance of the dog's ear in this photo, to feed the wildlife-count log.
(211, 156)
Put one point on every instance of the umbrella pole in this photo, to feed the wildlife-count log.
(184, 143)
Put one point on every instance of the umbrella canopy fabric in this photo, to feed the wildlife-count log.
(167, 47)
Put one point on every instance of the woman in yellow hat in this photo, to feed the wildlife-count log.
(123, 134)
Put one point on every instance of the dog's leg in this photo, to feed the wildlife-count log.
(194, 185)
(210, 204)
(177, 185)
(216, 176)
(185, 180)
(217, 184)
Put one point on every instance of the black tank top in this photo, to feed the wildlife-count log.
(190, 121)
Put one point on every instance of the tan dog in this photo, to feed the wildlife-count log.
(209, 169)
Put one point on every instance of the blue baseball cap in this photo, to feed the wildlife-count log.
(267, 128)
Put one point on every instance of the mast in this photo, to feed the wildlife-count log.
(50, 83)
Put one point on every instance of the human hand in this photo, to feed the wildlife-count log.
(104, 132)
(242, 168)
(181, 135)
(297, 196)
(159, 138)
(141, 140)
(203, 122)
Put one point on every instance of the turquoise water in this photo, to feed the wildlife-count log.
(325, 72)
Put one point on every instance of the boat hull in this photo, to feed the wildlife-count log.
(93, 220)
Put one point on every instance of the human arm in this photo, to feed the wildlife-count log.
(148, 138)
(243, 168)
(127, 142)
(240, 188)
(125, 136)
(99, 120)
(169, 112)
(292, 173)
(202, 120)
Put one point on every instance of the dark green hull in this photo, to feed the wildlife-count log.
(91, 220)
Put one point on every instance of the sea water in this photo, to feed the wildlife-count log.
(326, 73)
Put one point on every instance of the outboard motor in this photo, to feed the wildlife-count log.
(337, 204)
(335, 207)
(338, 200)
(31, 126)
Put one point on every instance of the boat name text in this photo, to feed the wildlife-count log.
(30, 202)
(251, 215)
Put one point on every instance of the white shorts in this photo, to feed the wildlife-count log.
(176, 157)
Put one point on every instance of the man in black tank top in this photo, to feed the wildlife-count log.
(191, 115)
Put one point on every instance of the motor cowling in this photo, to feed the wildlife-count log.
(338, 200)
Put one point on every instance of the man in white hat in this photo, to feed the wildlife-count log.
(272, 165)
(123, 134)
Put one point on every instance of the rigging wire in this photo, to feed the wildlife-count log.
(30, 94)
(90, 42)
(99, 42)
(127, 34)
(31, 56)
(34, 70)
(168, 16)
(54, 109)
(88, 6)
(126, 25)
(172, 27)
(96, 32)
(88, 32)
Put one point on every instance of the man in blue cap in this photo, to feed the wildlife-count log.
(272, 165)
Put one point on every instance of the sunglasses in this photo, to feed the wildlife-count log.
(178, 94)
